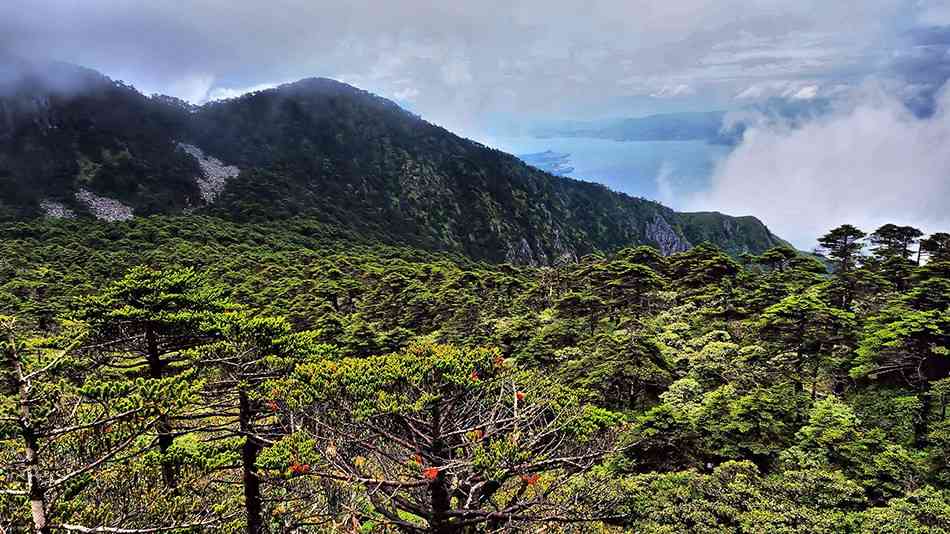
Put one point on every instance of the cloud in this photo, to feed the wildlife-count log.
(469, 60)
(934, 12)
(867, 163)
(808, 92)
(673, 91)
(224, 93)
(790, 90)
(456, 72)
(192, 89)
(664, 184)
(406, 94)
(920, 66)
(820, 150)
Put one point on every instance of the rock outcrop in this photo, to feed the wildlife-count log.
(667, 240)
(214, 173)
(56, 210)
(520, 253)
(103, 208)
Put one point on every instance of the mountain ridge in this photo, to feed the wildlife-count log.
(323, 149)
(680, 126)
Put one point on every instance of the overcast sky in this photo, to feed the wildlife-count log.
(475, 66)
(462, 63)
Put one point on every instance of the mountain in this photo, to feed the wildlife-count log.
(66, 130)
(684, 126)
(710, 126)
(75, 143)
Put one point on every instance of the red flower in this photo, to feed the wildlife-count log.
(499, 361)
(431, 473)
(417, 458)
(478, 433)
(519, 395)
(531, 479)
(474, 376)
(299, 469)
(273, 405)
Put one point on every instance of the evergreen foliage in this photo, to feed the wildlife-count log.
(198, 374)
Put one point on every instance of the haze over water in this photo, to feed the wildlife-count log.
(666, 171)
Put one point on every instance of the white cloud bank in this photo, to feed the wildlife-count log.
(224, 93)
(871, 163)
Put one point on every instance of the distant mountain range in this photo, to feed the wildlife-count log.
(709, 126)
(687, 126)
(74, 143)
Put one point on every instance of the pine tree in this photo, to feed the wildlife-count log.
(937, 246)
(698, 272)
(776, 258)
(145, 323)
(250, 351)
(906, 344)
(582, 305)
(843, 246)
(810, 330)
(443, 440)
(81, 433)
(893, 241)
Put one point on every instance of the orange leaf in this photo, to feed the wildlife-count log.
(299, 469)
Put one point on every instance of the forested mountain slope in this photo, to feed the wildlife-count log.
(73, 142)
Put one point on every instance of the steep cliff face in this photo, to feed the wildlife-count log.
(660, 232)
(318, 149)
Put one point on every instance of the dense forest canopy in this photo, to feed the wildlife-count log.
(197, 374)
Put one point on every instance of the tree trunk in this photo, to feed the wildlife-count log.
(814, 382)
(439, 494)
(800, 360)
(252, 482)
(922, 426)
(35, 479)
(943, 406)
(799, 370)
(36, 488)
(156, 370)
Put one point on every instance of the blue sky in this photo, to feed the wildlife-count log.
(477, 67)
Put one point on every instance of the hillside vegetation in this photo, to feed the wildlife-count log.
(203, 375)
